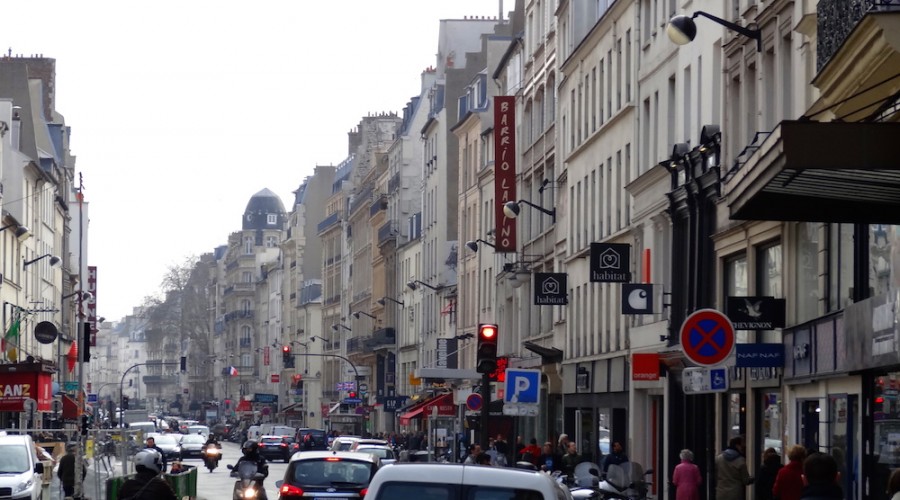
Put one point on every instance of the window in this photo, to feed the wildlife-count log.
(884, 241)
(806, 265)
(272, 219)
(840, 266)
(247, 277)
(736, 284)
(248, 245)
(271, 242)
(768, 267)
(245, 306)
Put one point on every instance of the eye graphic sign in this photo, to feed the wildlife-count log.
(551, 289)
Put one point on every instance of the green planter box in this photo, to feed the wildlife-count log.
(184, 484)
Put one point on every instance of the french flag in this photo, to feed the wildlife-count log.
(232, 371)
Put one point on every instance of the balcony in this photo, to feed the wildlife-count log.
(380, 203)
(394, 183)
(837, 20)
(381, 339)
(245, 343)
(386, 233)
(361, 198)
(355, 345)
(160, 379)
(234, 315)
(328, 222)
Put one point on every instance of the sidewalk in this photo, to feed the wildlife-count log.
(94, 486)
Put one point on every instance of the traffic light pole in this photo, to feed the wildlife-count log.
(485, 410)
(122, 409)
(355, 371)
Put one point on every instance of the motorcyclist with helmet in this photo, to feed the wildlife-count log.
(250, 450)
(147, 484)
(211, 460)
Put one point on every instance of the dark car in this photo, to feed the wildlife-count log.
(169, 445)
(328, 473)
(192, 446)
(275, 448)
(311, 439)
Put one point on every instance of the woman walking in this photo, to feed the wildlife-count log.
(687, 479)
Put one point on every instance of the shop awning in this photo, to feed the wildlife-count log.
(443, 403)
(244, 405)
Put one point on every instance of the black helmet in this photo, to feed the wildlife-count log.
(249, 448)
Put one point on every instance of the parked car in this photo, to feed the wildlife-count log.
(192, 446)
(275, 448)
(20, 472)
(316, 440)
(367, 442)
(329, 473)
(401, 481)
(344, 443)
(384, 452)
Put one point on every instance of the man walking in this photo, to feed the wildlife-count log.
(732, 475)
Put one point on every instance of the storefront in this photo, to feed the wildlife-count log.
(24, 387)
(596, 405)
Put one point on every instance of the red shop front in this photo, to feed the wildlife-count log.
(22, 381)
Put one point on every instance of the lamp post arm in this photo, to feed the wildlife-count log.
(121, 400)
(355, 371)
(551, 212)
(747, 32)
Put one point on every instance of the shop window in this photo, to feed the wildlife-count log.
(736, 284)
(886, 415)
(806, 279)
(769, 281)
(736, 411)
(771, 421)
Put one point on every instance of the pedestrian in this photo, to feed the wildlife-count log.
(893, 486)
(562, 446)
(768, 471)
(519, 447)
(616, 456)
(151, 445)
(821, 473)
(686, 478)
(66, 471)
(732, 475)
(571, 459)
(789, 481)
(502, 448)
(531, 452)
(549, 461)
(474, 453)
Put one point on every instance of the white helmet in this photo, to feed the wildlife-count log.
(150, 459)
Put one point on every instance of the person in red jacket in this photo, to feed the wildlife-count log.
(531, 452)
(789, 481)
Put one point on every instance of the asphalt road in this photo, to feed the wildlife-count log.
(218, 485)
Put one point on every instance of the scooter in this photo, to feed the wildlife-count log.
(586, 481)
(211, 456)
(625, 481)
(245, 488)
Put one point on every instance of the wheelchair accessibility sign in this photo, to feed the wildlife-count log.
(522, 386)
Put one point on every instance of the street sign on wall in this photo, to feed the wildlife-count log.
(707, 337)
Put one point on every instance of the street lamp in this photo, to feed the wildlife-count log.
(412, 285)
(511, 209)
(357, 313)
(473, 245)
(54, 260)
(682, 29)
(340, 325)
(22, 232)
(385, 298)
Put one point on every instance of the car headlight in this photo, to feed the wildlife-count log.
(24, 486)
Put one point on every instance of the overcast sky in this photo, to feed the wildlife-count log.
(182, 110)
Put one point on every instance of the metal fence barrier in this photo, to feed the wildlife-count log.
(184, 484)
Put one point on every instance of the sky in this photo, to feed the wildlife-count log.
(182, 110)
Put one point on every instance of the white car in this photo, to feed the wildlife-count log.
(20, 472)
(402, 481)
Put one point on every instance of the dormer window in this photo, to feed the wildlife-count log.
(272, 219)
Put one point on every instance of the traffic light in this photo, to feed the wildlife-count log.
(351, 395)
(86, 341)
(85, 423)
(124, 402)
(486, 360)
(286, 357)
(183, 364)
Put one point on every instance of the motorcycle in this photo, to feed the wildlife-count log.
(625, 481)
(245, 487)
(211, 456)
(586, 481)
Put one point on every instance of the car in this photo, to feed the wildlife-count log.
(184, 424)
(401, 481)
(198, 429)
(192, 446)
(275, 448)
(367, 441)
(336, 474)
(20, 472)
(344, 443)
(168, 444)
(311, 439)
(384, 452)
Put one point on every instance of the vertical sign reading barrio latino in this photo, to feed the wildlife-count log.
(504, 171)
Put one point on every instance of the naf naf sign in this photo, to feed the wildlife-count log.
(551, 289)
(610, 263)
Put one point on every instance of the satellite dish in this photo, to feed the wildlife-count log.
(45, 332)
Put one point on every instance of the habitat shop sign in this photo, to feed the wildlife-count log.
(17, 387)
(551, 289)
(610, 263)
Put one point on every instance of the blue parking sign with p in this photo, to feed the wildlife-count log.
(522, 386)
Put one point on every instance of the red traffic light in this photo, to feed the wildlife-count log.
(285, 349)
(487, 332)
(351, 394)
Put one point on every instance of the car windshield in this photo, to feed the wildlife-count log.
(331, 472)
(272, 440)
(13, 458)
(193, 438)
(196, 429)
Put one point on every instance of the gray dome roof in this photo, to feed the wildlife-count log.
(261, 206)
